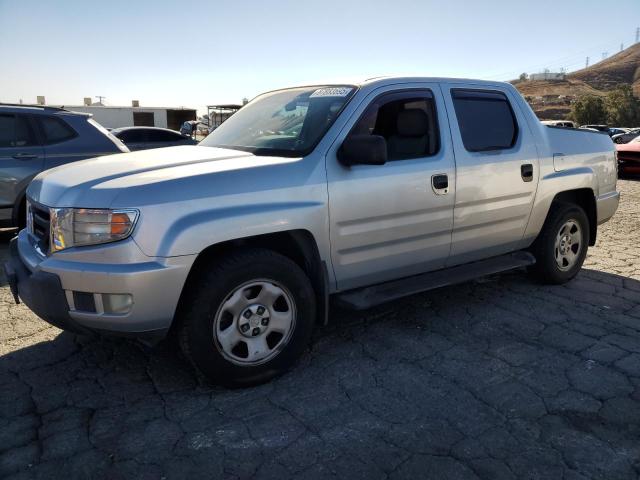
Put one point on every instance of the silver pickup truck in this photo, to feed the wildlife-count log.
(358, 194)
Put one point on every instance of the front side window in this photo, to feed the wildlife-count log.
(286, 122)
(15, 131)
(485, 119)
(407, 122)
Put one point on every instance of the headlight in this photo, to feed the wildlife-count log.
(73, 227)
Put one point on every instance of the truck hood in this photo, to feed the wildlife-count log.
(96, 183)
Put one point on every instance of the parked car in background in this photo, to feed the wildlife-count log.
(559, 123)
(599, 128)
(627, 136)
(365, 193)
(629, 157)
(36, 138)
(616, 131)
(144, 138)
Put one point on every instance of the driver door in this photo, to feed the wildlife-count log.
(389, 221)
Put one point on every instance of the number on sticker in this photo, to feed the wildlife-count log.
(331, 92)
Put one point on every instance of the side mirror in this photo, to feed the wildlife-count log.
(363, 149)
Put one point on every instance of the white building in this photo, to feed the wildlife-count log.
(548, 76)
(115, 117)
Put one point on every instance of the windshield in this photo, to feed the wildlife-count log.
(285, 123)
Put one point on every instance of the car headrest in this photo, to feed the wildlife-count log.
(413, 123)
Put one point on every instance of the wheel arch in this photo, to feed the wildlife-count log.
(298, 245)
(584, 198)
(19, 214)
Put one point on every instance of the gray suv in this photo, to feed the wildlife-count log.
(36, 138)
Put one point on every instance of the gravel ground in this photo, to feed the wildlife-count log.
(496, 379)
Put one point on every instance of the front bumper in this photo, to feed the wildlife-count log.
(40, 291)
(51, 286)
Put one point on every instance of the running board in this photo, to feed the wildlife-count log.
(367, 297)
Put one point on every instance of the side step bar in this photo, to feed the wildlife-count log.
(367, 297)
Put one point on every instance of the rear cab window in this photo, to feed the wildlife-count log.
(486, 120)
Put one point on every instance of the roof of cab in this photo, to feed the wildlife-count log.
(390, 80)
(374, 82)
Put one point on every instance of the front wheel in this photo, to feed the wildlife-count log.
(248, 318)
(561, 247)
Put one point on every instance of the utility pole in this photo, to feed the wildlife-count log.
(586, 64)
(621, 46)
(637, 34)
(604, 55)
(100, 98)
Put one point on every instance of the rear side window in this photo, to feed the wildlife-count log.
(132, 136)
(486, 120)
(162, 136)
(55, 130)
(15, 131)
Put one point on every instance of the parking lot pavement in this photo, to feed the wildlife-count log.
(496, 379)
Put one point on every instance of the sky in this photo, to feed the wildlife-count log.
(179, 53)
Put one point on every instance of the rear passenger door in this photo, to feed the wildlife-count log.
(497, 171)
(393, 220)
(21, 158)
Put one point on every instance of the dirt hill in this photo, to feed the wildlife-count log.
(551, 99)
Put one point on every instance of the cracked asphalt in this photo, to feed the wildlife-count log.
(495, 379)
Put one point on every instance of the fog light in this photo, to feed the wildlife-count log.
(118, 303)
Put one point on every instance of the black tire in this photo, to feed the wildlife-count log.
(213, 286)
(546, 268)
(22, 214)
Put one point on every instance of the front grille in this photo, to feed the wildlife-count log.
(41, 220)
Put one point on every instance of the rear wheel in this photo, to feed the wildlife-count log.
(561, 247)
(248, 319)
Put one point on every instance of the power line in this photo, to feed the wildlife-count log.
(568, 61)
(558, 62)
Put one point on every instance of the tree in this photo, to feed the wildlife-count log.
(524, 77)
(589, 109)
(622, 107)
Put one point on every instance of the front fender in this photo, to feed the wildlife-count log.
(192, 233)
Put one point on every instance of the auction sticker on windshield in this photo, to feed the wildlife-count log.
(331, 92)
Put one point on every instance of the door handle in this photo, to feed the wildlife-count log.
(526, 171)
(440, 184)
(24, 156)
